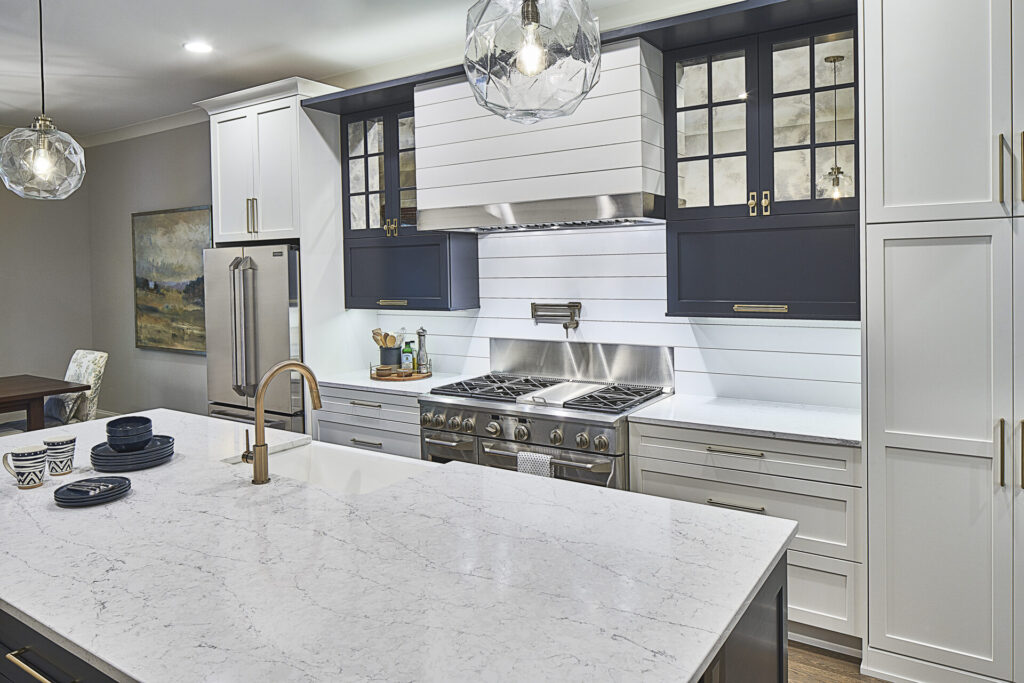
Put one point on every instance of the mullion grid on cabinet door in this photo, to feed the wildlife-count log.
(406, 181)
(365, 184)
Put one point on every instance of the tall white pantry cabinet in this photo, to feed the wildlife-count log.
(944, 331)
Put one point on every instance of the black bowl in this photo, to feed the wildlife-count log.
(127, 444)
(130, 426)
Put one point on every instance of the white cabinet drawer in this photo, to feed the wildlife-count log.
(368, 396)
(823, 592)
(828, 514)
(803, 460)
(387, 412)
(357, 436)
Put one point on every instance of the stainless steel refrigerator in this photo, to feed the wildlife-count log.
(253, 322)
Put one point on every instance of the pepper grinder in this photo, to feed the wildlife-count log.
(422, 359)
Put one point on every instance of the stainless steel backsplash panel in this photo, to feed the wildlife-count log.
(619, 363)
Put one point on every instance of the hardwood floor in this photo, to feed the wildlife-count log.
(812, 665)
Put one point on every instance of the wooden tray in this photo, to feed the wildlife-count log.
(395, 378)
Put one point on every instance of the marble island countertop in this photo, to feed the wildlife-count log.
(459, 573)
(816, 424)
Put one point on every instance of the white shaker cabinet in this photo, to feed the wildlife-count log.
(266, 153)
(939, 401)
(937, 98)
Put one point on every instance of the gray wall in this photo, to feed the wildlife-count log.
(162, 171)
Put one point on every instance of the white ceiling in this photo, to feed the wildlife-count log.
(114, 63)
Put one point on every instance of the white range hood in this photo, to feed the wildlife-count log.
(602, 166)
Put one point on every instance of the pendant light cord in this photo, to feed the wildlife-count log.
(42, 80)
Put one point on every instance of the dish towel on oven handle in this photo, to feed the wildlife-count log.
(533, 463)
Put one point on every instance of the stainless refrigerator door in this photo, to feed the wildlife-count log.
(222, 356)
(291, 423)
(273, 293)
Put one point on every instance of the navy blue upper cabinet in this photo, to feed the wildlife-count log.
(762, 178)
(388, 264)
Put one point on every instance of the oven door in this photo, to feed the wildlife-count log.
(444, 447)
(586, 468)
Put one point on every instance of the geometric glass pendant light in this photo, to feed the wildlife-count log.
(41, 162)
(530, 60)
(835, 176)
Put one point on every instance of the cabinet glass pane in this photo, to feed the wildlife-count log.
(792, 175)
(376, 210)
(407, 211)
(692, 133)
(833, 44)
(356, 176)
(357, 212)
(407, 169)
(355, 139)
(693, 183)
(824, 159)
(375, 173)
(374, 135)
(825, 104)
(730, 129)
(792, 120)
(730, 180)
(406, 132)
(791, 65)
(728, 77)
(691, 82)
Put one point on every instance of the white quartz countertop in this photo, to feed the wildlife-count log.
(360, 380)
(818, 424)
(460, 573)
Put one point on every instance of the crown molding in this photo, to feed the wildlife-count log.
(137, 130)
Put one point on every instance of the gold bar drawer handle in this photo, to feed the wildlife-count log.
(365, 404)
(13, 658)
(735, 506)
(760, 308)
(392, 302)
(735, 451)
(1022, 437)
(371, 444)
(1002, 451)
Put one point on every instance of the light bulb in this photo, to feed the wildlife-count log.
(532, 58)
(42, 164)
(836, 194)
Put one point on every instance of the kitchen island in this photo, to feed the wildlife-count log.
(455, 573)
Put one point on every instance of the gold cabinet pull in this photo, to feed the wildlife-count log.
(760, 308)
(736, 506)
(1022, 165)
(766, 203)
(1022, 439)
(1002, 141)
(392, 302)
(248, 215)
(13, 658)
(734, 451)
(371, 444)
(752, 201)
(1002, 452)
(255, 215)
(365, 404)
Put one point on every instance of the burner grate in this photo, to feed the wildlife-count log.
(496, 387)
(613, 399)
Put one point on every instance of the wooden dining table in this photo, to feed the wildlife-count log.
(27, 392)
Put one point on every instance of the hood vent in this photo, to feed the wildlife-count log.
(603, 166)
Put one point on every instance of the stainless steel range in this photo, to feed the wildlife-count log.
(560, 402)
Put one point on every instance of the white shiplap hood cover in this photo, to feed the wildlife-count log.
(603, 165)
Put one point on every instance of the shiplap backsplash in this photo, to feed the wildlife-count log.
(619, 276)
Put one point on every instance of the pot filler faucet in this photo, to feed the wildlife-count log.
(258, 455)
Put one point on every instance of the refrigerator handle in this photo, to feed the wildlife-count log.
(246, 321)
(237, 369)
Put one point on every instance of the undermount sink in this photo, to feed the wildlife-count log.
(344, 469)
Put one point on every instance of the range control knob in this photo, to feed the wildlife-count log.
(582, 440)
(601, 442)
(438, 422)
(521, 433)
(468, 425)
(426, 419)
(494, 429)
(556, 437)
(454, 423)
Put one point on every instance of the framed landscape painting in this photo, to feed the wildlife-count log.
(170, 306)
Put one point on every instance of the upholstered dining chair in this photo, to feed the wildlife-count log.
(86, 367)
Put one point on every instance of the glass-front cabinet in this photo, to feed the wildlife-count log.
(764, 125)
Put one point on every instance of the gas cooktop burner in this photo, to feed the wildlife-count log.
(496, 387)
(617, 398)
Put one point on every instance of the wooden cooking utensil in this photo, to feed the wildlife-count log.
(392, 341)
(378, 338)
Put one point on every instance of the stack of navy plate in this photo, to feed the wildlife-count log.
(93, 491)
(131, 446)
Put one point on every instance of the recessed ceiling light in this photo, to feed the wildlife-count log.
(198, 46)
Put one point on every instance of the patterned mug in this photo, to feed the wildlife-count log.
(60, 453)
(29, 465)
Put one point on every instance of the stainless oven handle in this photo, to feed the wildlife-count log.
(601, 467)
(438, 442)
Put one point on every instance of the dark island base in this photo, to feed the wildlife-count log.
(757, 649)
